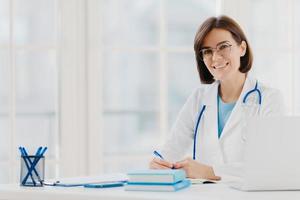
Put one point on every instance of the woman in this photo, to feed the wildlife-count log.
(212, 120)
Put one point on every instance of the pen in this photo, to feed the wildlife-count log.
(23, 154)
(105, 185)
(36, 154)
(34, 163)
(158, 155)
(161, 157)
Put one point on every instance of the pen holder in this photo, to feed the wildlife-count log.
(32, 171)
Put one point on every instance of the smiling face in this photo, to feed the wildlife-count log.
(224, 62)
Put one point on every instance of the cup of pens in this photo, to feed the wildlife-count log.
(32, 167)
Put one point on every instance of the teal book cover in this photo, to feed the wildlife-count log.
(158, 187)
(167, 176)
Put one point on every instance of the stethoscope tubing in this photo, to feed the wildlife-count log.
(203, 109)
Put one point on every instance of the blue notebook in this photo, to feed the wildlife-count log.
(158, 187)
(166, 176)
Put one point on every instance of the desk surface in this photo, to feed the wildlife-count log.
(207, 191)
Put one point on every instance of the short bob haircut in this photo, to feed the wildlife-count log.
(226, 23)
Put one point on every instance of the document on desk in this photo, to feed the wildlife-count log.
(225, 180)
(81, 181)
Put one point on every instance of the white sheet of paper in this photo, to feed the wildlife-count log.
(90, 179)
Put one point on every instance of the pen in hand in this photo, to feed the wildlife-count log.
(158, 154)
(161, 157)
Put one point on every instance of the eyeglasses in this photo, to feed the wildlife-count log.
(222, 49)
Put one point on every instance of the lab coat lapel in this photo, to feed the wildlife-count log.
(211, 115)
(240, 110)
(209, 142)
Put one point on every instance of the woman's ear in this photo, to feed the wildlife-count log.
(243, 47)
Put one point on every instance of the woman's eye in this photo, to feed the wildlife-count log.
(223, 46)
(207, 52)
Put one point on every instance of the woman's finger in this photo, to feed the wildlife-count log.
(163, 162)
(180, 164)
(154, 165)
(215, 178)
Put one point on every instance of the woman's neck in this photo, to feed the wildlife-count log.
(230, 90)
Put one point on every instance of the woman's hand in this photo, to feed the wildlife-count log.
(195, 169)
(158, 163)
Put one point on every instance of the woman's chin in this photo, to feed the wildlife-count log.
(220, 77)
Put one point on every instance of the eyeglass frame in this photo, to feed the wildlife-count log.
(215, 50)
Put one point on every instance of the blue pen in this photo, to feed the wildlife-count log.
(160, 156)
(23, 155)
(35, 161)
(105, 185)
(30, 170)
(34, 170)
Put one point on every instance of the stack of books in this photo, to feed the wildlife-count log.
(157, 180)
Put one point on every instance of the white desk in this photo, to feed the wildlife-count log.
(199, 192)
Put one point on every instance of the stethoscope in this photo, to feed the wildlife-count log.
(255, 89)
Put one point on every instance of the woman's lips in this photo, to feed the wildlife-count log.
(220, 66)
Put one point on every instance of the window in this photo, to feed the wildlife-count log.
(295, 43)
(149, 70)
(28, 82)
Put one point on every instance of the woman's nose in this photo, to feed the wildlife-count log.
(216, 56)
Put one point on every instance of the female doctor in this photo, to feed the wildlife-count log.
(210, 125)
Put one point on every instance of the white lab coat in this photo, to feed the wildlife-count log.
(224, 154)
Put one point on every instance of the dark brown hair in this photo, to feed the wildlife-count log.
(226, 23)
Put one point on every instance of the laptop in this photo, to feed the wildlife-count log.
(272, 155)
